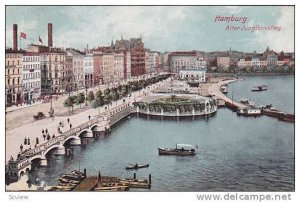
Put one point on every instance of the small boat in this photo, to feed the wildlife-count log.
(73, 177)
(287, 117)
(248, 102)
(260, 88)
(179, 150)
(136, 166)
(249, 112)
(77, 173)
(224, 89)
(61, 179)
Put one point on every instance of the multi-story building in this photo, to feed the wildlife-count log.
(53, 72)
(272, 59)
(193, 74)
(108, 67)
(183, 60)
(119, 66)
(135, 56)
(31, 78)
(69, 76)
(97, 61)
(88, 70)
(223, 61)
(13, 77)
(152, 62)
(78, 60)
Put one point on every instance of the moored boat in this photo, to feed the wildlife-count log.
(249, 112)
(136, 166)
(248, 102)
(260, 88)
(180, 150)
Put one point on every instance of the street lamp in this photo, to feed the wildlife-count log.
(86, 95)
(51, 111)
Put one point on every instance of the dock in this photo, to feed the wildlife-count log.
(88, 184)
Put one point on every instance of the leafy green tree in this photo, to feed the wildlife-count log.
(90, 96)
(69, 102)
(80, 98)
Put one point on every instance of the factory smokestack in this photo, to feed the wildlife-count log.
(50, 34)
(15, 37)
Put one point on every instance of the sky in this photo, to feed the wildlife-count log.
(163, 28)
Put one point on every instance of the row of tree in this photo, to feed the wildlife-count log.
(111, 94)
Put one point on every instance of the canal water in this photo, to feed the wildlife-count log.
(234, 153)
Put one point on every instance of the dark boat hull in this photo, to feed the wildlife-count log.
(176, 152)
(134, 167)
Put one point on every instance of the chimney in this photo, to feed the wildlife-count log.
(15, 37)
(50, 34)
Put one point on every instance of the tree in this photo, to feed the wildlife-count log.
(98, 94)
(69, 102)
(80, 98)
(90, 96)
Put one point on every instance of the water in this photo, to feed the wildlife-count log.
(235, 153)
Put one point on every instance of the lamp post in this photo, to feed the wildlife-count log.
(86, 95)
(51, 111)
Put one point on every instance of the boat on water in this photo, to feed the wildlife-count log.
(287, 117)
(249, 112)
(248, 102)
(64, 180)
(179, 150)
(224, 89)
(260, 88)
(136, 166)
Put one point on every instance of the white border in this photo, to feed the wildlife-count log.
(128, 196)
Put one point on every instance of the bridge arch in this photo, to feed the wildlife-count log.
(56, 146)
(74, 138)
(94, 126)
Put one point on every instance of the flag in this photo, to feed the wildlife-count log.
(23, 35)
(40, 40)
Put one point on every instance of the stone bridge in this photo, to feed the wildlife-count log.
(57, 145)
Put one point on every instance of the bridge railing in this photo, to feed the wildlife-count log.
(41, 148)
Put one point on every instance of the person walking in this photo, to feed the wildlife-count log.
(46, 131)
(89, 117)
(37, 141)
(43, 131)
(53, 136)
(21, 147)
(25, 141)
(44, 136)
(28, 141)
(48, 137)
(68, 120)
(70, 126)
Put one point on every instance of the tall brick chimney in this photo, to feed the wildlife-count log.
(50, 34)
(15, 37)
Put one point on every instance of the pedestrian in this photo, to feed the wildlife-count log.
(46, 131)
(53, 136)
(60, 123)
(25, 141)
(70, 126)
(68, 120)
(43, 131)
(48, 137)
(44, 136)
(37, 141)
(89, 117)
(21, 147)
(28, 141)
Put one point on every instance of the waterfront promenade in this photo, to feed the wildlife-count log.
(15, 137)
(214, 90)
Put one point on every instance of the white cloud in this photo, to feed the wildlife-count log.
(282, 40)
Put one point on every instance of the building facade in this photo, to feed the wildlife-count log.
(88, 70)
(13, 77)
(119, 66)
(223, 61)
(98, 67)
(31, 77)
(78, 76)
(108, 68)
(69, 75)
